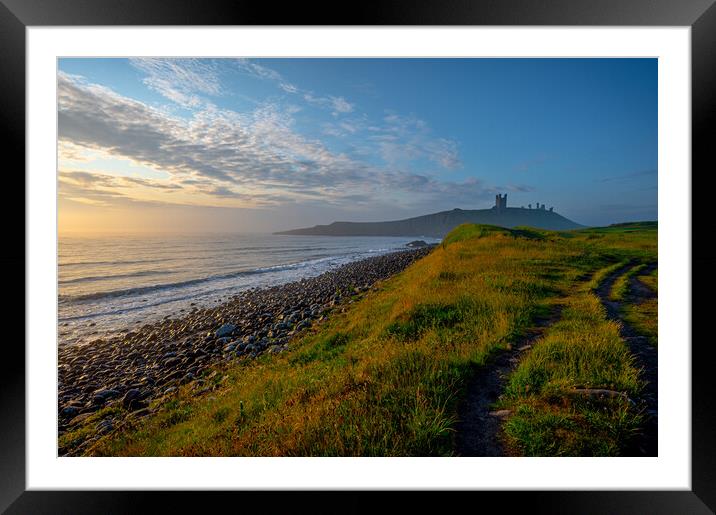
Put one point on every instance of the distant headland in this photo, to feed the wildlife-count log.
(437, 225)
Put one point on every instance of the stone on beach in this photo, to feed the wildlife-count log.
(149, 362)
(131, 395)
(225, 330)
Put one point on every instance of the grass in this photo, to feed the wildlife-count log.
(384, 375)
(583, 350)
(550, 414)
(644, 316)
(620, 288)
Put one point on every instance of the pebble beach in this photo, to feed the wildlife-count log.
(132, 369)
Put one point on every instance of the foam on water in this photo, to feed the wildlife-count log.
(153, 277)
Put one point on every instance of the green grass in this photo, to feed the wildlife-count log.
(550, 418)
(620, 288)
(651, 280)
(384, 376)
(644, 316)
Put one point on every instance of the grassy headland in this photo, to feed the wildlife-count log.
(383, 375)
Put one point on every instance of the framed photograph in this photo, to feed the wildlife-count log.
(271, 251)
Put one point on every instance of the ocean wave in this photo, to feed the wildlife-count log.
(214, 252)
(191, 282)
(117, 262)
(141, 273)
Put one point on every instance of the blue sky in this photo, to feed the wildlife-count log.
(267, 144)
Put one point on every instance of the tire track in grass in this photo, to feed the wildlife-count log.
(644, 352)
(637, 290)
(479, 427)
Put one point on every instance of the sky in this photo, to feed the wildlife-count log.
(259, 145)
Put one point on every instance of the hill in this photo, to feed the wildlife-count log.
(437, 225)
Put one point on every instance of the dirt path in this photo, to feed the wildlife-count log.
(643, 351)
(638, 291)
(479, 427)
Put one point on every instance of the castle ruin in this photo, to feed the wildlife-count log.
(501, 203)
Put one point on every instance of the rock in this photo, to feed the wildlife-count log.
(168, 363)
(69, 412)
(79, 419)
(225, 330)
(137, 405)
(155, 355)
(131, 395)
(500, 413)
(106, 394)
(171, 377)
(96, 401)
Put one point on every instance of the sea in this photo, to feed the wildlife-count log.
(110, 284)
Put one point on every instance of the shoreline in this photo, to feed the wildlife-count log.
(129, 371)
(100, 307)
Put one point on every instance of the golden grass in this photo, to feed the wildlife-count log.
(384, 378)
(581, 351)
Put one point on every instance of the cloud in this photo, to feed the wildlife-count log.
(628, 208)
(630, 176)
(518, 188)
(221, 157)
(259, 71)
(288, 88)
(336, 104)
(407, 138)
(151, 184)
(180, 80)
(341, 105)
(87, 188)
(96, 181)
(400, 139)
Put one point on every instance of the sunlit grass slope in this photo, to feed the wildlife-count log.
(384, 374)
(555, 411)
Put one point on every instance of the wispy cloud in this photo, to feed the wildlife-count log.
(407, 138)
(630, 176)
(260, 71)
(336, 104)
(255, 158)
(180, 80)
(518, 188)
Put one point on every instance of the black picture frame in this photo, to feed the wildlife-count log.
(700, 15)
